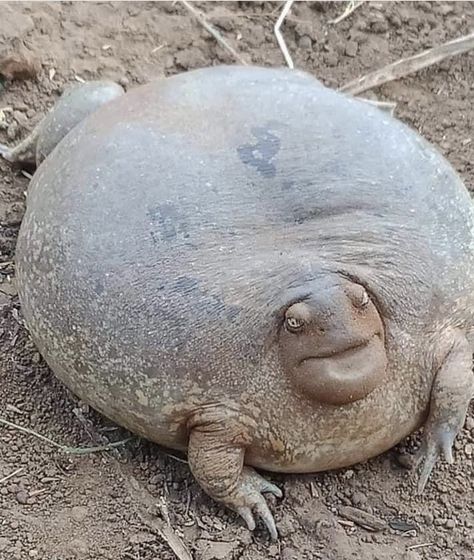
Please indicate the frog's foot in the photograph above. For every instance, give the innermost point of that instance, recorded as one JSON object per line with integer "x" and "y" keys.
{"x": 216, "y": 454}
{"x": 248, "y": 502}
{"x": 436, "y": 443}
{"x": 451, "y": 393}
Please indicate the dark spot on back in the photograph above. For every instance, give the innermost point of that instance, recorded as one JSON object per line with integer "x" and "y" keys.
{"x": 261, "y": 154}
{"x": 169, "y": 225}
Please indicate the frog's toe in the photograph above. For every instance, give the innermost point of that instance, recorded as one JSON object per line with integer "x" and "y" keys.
{"x": 435, "y": 444}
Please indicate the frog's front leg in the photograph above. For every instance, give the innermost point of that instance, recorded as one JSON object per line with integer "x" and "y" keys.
{"x": 216, "y": 454}
{"x": 451, "y": 393}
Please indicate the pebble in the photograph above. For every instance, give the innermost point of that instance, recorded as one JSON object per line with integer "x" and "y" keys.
{"x": 331, "y": 59}
{"x": 22, "y": 497}
{"x": 12, "y": 131}
{"x": 411, "y": 555}
{"x": 469, "y": 423}
{"x": 359, "y": 499}
{"x": 428, "y": 518}
{"x": 286, "y": 527}
{"x": 289, "y": 553}
{"x": 79, "y": 513}
{"x": 20, "y": 118}
{"x": 469, "y": 449}
{"x": 124, "y": 81}
{"x": 305, "y": 42}
{"x": 450, "y": 524}
{"x": 351, "y": 48}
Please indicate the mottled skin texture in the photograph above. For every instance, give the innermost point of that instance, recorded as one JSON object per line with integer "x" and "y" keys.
{"x": 199, "y": 254}
{"x": 76, "y": 103}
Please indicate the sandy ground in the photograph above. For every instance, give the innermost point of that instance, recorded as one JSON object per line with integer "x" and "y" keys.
{"x": 117, "y": 505}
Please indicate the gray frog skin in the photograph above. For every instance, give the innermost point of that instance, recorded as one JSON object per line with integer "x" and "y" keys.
{"x": 76, "y": 103}
{"x": 242, "y": 263}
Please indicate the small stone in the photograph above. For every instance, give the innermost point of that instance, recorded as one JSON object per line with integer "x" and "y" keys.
{"x": 124, "y": 81}
{"x": 289, "y": 553}
{"x": 273, "y": 550}
{"x": 30, "y": 113}
{"x": 214, "y": 550}
{"x": 469, "y": 423}
{"x": 12, "y": 131}
{"x": 33, "y": 553}
{"x": 22, "y": 497}
{"x": 450, "y": 524}
{"x": 359, "y": 499}
{"x": 428, "y": 518}
{"x": 379, "y": 24}
{"x": 286, "y": 527}
{"x": 305, "y": 42}
{"x": 469, "y": 449}
{"x": 331, "y": 59}
{"x": 411, "y": 555}
{"x": 20, "y": 118}
{"x": 405, "y": 460}
{"x": 14, "y": 524}
{"x": 79, "y": 513}
{"x": 351, "y": 48}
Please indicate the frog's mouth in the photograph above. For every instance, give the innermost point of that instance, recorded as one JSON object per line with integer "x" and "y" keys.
{"x": 344, "y": 376}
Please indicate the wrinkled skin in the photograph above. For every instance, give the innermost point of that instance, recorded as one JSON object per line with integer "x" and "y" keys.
{"x": 76, "y": 103}
{"x": 243, "y": 263}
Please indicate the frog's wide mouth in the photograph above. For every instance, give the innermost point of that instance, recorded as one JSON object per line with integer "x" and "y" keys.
{"x": 344, "y": 376}
{"x": 345, "y": 353}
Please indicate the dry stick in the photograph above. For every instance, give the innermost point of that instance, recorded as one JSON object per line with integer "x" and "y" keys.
{"x": 166, "y": 532}
{"x": 64, "y": 448}
{"x": 279, "y": 36}
{"x": 422, "y": 545}
{"x": 217, "y": 36}
{"x": 352, "y": 5}
{"x": 407, "y": 66}
{"x": 11, "y": 475}
{"x": 387, "y": 106}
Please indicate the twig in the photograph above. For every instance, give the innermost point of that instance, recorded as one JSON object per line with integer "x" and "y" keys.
{"x": 167, "y": 534}
{"x": 11, "y": 475}
{"x": 409, "y": 65}
{"x": 176, "y": 458}
{"x": 279, "y": 36}
{"x": 64, "y": 448}
{"x": 422, "y": 545}
{"x": 351, "y": 6}
{"x": 387, "y": 106}
{"x": 161, "y": 527}
{"x": 105, "y": 447}
{"x": 217, "y": 36}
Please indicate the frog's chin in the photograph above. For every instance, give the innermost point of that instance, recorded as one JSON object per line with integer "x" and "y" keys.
{"x": 343, "y": 377}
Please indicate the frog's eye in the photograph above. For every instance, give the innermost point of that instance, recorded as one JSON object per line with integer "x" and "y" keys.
{"x": 359, "y": 296}
{"x": 293, "y": 324}
{"x": 364, "y": 300}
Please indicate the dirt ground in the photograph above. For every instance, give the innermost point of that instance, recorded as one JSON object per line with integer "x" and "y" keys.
{"x": 135, "y": 502}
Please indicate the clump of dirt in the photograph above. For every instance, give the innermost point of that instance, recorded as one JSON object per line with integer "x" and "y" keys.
{"x": 118, "y": 504}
